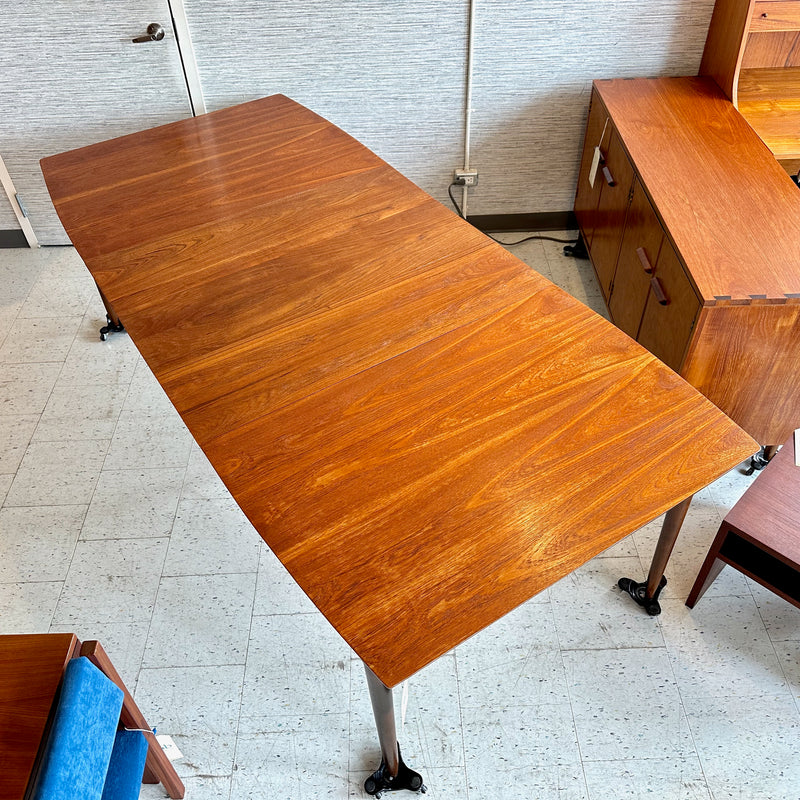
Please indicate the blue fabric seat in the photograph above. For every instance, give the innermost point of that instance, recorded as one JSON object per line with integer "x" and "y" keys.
{"x": 125, "y": 770}
{"x": 83, "y": 737}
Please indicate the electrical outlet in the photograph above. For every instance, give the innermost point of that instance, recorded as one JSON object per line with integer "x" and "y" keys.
{"x": 466, "y": 177}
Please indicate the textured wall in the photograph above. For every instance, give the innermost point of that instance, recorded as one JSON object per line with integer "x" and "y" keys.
{"x": 72, "y": 76}
{"x": 534, "y": 65}
{"x": 393, "y": 75}
{"x": 8, "y": 221}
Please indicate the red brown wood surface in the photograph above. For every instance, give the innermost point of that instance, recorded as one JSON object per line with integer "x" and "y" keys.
{"x": 424, "y": 430}
{"x": 706, "y": 171}
{"x": 31, "y": 666}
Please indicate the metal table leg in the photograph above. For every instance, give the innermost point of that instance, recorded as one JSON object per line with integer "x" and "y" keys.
{"x": 113, "y": 324}
{"x": 392, "y": 774}
{"x": 646, "y": 593}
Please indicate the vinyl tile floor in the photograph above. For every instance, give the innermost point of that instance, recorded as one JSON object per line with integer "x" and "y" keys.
{"x": 114, "y": 526}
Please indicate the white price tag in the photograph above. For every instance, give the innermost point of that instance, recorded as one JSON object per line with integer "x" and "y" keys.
{"x": 595, "y": 165}
{"x": 169, "y": 747}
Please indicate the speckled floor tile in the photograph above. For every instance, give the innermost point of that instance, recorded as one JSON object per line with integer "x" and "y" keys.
{"x": 620, "y": 698}
{"x": 28, "y": 606}
{"x": 591, "y": 612}
{"x": 666, "y": 779}
{"x": 211, "y": 537}
{"x": 295, "y": 664}
{"x": 201, "y": 620}
{"x": 112, "y": 581}
{"x": 133, "y": 504}
{"x": 720, "y": 648}
{"x": 748, "y": 746}
{"x": 199, "y": 708}
{"x": 38, "y": 542}
{"x": 306, "y": 754}
{"x": 57, "y": 473}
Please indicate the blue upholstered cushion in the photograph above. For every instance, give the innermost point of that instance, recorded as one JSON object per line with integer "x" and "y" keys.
{"x": 124, "y": 777}
{"x": 77, "y": 752}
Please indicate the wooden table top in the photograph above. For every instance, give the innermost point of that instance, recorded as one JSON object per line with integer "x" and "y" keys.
{"x": 683, "y": 135}
{"x": 31, "y": 666}
{"x": 424, "y": 430}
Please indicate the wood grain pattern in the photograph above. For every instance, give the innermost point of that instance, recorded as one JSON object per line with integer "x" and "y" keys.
{"x": 775, "y": 15}
{"x": 30, "y": 674}
{"x": 724, "y": 48}
{"x": 377, "y": 383}
{"x": 750, "y": 368}
{"x": 773, "y": 49}
{"x": 769, "y": 511}
{"x": 706, "y": 171}
{"x": 643, "y": 234}
{"x": 769, "y": 100}
{"x": 666, "y": 329}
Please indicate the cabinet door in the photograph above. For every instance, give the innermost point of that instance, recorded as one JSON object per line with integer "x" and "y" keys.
{"x": 638, "y": 255}
{"x": 670, "y": 311}
{"x": 616, "y": 177}
{"x": 587, "y": 196}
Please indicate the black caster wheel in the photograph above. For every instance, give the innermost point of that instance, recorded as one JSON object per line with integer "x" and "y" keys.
{"x": 638, "y": 592}
{"x": 110, "y": 327}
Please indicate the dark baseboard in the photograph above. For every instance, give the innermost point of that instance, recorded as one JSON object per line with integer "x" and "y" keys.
{"x": 13, "y": 239}
{"x": 545, "y": 221}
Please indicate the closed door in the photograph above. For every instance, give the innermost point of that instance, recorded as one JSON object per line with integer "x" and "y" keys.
{"x": 638, "y": 254}
{"x": 78, "y": 79}
{"x": 670, "y": 311}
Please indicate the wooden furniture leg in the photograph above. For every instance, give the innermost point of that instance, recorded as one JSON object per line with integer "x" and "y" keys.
{"x": 711, "y": 568}
{"x": 392, "y": 774}
{"x": 646, "y": 593}
{"x": 158, "y": 768}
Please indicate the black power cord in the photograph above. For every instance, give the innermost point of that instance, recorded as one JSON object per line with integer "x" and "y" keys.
{"x": 505, "y": 244}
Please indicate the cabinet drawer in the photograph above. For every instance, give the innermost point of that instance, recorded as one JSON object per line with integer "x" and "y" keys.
{"x": 780, "y": 15}
{"x": 670, "y": 311}
{"x": 638, "y": 255}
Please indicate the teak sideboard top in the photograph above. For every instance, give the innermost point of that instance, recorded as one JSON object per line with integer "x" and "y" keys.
{"x": 731, "y": 210}
{"x": 424, "y": 430}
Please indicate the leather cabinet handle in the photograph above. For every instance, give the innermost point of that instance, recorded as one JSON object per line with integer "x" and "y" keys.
{"x": 646, "y": 265}
{"x": 608, "y": 176}
{"x": 658, "y": 291}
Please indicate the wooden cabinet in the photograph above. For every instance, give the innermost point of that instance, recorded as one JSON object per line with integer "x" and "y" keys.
{"x": 753, "y": 53}
{"x": 693, "y": 230}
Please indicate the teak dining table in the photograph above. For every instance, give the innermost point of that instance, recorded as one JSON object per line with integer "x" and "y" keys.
{"x": 425, "y": 431}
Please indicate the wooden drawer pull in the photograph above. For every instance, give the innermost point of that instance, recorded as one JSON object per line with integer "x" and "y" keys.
{"x": 608, "y": 176}
{"x": 646, "y": 265}
{"x": 658, "y": 291}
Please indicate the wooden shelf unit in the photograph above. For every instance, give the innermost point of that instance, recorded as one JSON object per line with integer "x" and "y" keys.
{"x": 694, "y": 233}
{"x": 753, "y": 53}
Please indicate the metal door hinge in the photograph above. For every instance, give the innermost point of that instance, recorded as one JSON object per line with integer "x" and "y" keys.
{"x": 21, "y": 204}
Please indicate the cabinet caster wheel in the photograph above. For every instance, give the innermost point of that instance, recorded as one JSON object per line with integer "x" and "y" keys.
{"x": 110, "y": 327}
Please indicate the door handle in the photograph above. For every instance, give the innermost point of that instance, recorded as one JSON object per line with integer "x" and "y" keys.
{"x": 155, "y": 33}
{"x": 658, "y": 291}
